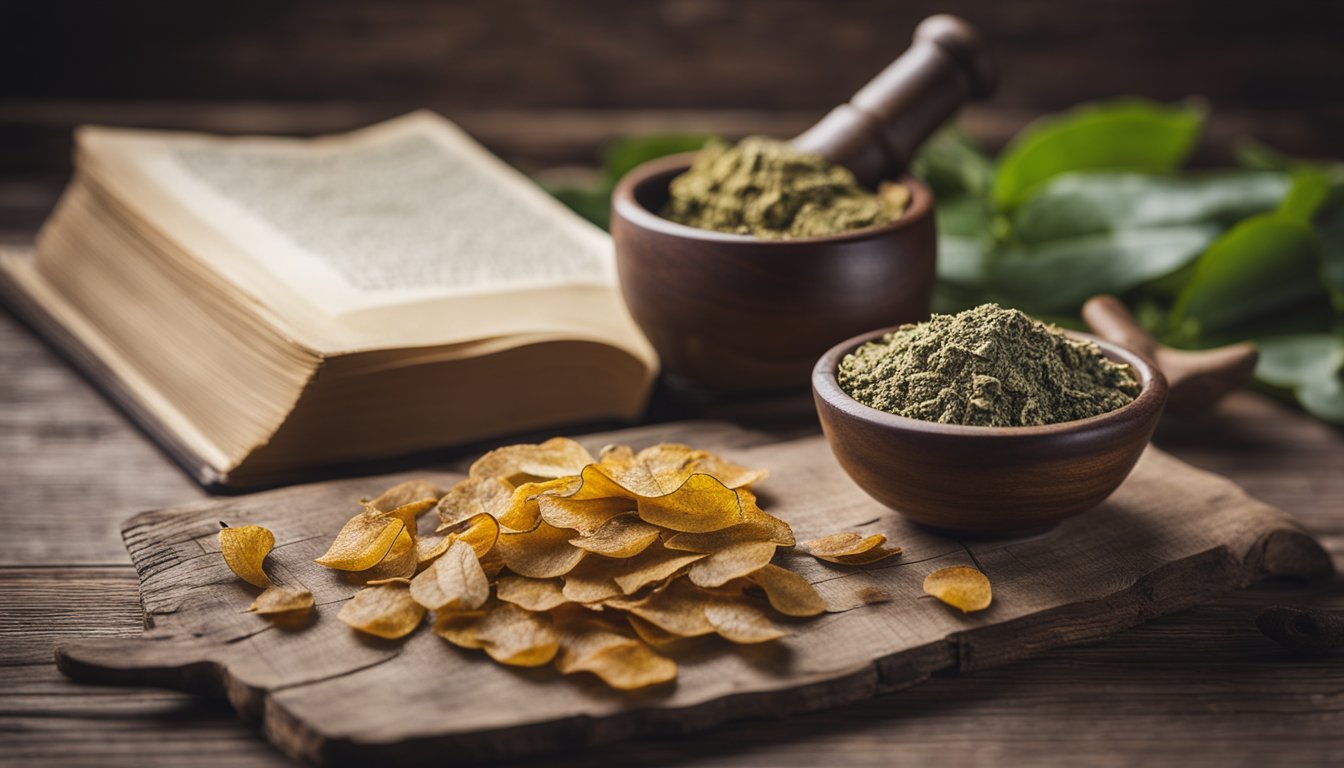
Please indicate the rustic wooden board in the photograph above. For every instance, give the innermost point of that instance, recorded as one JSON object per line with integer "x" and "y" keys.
{"x": 1170, "y": 537}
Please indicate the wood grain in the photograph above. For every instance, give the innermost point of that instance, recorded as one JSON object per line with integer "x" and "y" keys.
{"x": 1169, "y": 538}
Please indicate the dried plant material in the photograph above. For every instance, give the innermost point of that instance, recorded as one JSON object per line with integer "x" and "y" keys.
{"x": 732, "y": 562}
{"x": 622, "y": 662}
{"x": 849, "y": 548}
{"x": 621, "y": 536}
{"x": 699, "y": 505}
{"x": 454, "y": 582}
{"x": 524, "y": 509}
{"x": 651, "y": 566}
{"x": 407, "y": 513}
{"x": 788, "y": 593}
{"x": 678, "y": 609}
{"x": 386, "y": 610}
{"x": 400, "y": 561}
{"x": 402, "y": 494}
{"x": 670, "y": 464}
{"x": 961, "y": 587}
{"x": 277, "y": 599}
{"x": 741, "y": 622}
{"x": 651, "y": 633}
{"x": 586, "y": 516}
{"x": 363, "y": 542}
{"x": 481, "y": 532}
{"x": 898, "y": 195}
{"x": 594, "y": 580}
{"x": 517, "y": 464}
{"x": 541, "y": 553}
{"x": 532, "y": 594}
{"x": 459, "y": 627}
{"x": 517, "y": 637}
{"x": 245, "y": 549}
{"x": 389, "y": 580}
{"x": 471, "y": 497}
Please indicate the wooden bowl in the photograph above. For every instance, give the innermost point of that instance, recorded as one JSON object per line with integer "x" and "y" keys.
{"x": 987, "y": 481}
{"x": 733, "y": 313}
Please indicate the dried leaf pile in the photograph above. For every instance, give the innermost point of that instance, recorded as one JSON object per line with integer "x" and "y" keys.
{"x": 544, "y": 554}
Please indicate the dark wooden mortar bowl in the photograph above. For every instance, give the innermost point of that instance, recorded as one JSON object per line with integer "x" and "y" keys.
{"x": 733, "y": 313}
{"x": 987, "y": 481}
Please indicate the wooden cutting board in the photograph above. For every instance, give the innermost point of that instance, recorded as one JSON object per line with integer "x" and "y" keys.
{"x": 1169, "y": 538}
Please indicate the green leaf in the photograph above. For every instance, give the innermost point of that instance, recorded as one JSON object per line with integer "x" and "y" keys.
{"x": 953, "y": 166}
{"x": 1264, "y": 265}
{"x": 622, "y": 155}
{"x": 592, "y": 203}
{"x": 1131, "y": 135}
{"x": 1312, "y": 365}
{"x": 1309, "y": 191}
{"x": 1076, "y": 204}
{"x": 1058, "y": 276}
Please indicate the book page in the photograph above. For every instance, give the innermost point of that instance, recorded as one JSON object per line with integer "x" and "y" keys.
{"x": 403, "y": 212}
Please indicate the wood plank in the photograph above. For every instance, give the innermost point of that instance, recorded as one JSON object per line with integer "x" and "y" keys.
{"x": 1171, "y": 537}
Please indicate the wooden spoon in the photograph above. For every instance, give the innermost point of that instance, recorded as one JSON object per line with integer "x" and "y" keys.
{"x": 1197, "y": 379}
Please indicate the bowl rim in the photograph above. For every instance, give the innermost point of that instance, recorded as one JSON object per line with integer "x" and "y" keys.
{"x": 1150, "y": 400}
{"x": 625, "y": 205}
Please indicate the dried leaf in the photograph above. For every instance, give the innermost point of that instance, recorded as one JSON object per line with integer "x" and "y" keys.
{"x": 586, "y": 516}
{"x": 363, "y": 542}
{"x": 594, "y": 580}
{"x": 650, "y": 566}
{"x": 679, "y": 609}
{"x": 699, "y": 505}
{"x": 524, "y": 508}
{"x": 405, "y": 493}
{"x": 400, "y": 561}
{"x": 471, "y": 497}
{"x": 277, "y": 599}
{"x": 741, "y": 622}
{"x": 849, "y": 548}
{"x": 407, "y": 513}
{"x": 459, "y": 627}
{"x": 541, "y": 553}
{"x": 245, "y": 549}
{"x": 454, "y": 582}
{"x": 386, "y": 610}
{"x": 621, "y": 536}
{"x": 960, "y": 587}
{"x": 517, "y": 464}
{"x": 622, "y": 662}
{"x": 517, "y": 637}
{"x": 732, "y": 562}
{"x": 481, "y": 532}
{"x": 788, "y": 593}
{"x": 532, "y": 594}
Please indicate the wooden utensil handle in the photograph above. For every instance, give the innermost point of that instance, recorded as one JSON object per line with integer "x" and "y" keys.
{"x": 1110, "y": 319}
{"x": 878, "y": 131}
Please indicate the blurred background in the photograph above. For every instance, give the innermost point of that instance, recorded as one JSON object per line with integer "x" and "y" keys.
{"x": 547, "y": 83}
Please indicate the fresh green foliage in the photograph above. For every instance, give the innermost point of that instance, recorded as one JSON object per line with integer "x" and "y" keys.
{"x": 620, "y": 156}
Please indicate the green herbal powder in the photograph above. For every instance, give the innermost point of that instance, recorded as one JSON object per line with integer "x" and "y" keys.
{"x": 987, "y": 366}
{"x": 765, "y": 187}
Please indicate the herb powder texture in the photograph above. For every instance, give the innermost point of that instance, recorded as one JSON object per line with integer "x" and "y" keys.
{"x": 987, "y": 366}
{"x": 764, "y": 187}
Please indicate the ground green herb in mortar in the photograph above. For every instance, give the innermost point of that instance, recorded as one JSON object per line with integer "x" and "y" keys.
{"x": 764, "y": 187}
{"x": 986, "y": 366}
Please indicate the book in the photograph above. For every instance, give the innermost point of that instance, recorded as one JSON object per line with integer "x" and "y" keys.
{"x": 269, "y": 306}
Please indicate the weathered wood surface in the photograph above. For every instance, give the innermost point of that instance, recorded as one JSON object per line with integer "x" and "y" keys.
{"x": 1202, "y": 687}
{"x": 1171, "y": 537}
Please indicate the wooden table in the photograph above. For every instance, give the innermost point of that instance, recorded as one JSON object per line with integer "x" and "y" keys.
{"x": 1199, "y": 688}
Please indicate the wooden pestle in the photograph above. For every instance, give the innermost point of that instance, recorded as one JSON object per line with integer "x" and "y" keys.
{"x": 876, "y": 134}
{"x": 1196, "y": 378}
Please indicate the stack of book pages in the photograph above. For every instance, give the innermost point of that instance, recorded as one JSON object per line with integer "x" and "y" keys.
{"x": 266, "y": 306}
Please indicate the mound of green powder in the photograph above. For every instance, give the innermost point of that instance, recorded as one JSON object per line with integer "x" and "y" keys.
{"x": 987, "y": 366}
{"x": 764, "y": 187}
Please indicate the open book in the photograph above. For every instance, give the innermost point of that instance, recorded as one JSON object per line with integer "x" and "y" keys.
{"x": 268, "y": 305}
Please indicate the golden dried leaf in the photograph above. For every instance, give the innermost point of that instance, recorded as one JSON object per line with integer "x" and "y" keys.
{"x": 278, "y": 599}
{"x": 621, "y": 536}
{"x": 788, "y": 593}
{"x": 741, "y": 622}
{"x": 471, "y": 497}
{"x": 679, "y": 609}
{"x": 517, "y": 464}
{"x": 715, "y": 541}
{"x": 405, "y": 493}
{"x": 960, "y": 587}
{"x": 532, "y": 594}
{"x": 407, "y": 513}
{"x": 245, "y": 549}
{"x": 849, "y": 548}
{"x": 459, "y": 627}
{"x": 363, "y": 542}
{"x": 389, "y": 580}
{"x": 621, "y": 662}
{"x": 400, "y": 561}
{"x": 454, "y": 582}
{"x": 386, "y": 610}
{"x": 732, "y": 562}
{"x": 481, "y": 532}
{"x": 650, "y": 566}
{"x": 652, "y": 633}
{"x": 677, "y": 462}
{"x": 517, "y": 637}
{"x": 586, "y": 516}
{"x": 594, "y": 580}
{"x": 524, "y": 509}
{"x": 699, "y": 505}
{"x": 541, "y": 553}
